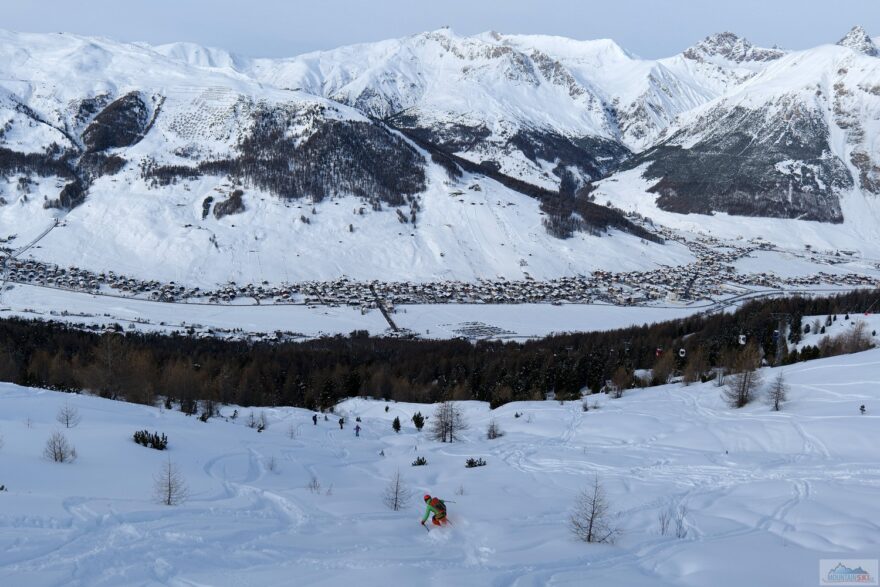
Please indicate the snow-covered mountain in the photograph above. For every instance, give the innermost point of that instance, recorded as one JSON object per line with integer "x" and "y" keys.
{"x": 798, "y": 140}
{"x": 544, "y": 109}
{"x": 434, "y": 156}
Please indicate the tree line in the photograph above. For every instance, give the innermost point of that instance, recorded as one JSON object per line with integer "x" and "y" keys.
{"x": 316, "y": 374}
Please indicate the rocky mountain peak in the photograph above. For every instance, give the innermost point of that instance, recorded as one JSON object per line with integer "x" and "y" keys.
{"x": 857, "y": 39}
{"x": 731, "y": 47}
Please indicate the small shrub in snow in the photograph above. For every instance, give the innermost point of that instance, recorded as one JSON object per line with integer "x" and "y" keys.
{"x": 679, "y": 519}
{"x": 293, "y": 431}
{"x": 314, "y": 485}
{"x": 663, "y": 519}
{"x": 460, "y": 490}
{"x": 420, "y": 461}
{"x": 272, "y": 464}
{"x": 259, "y": 422}
{"x": 418, "y": 420}
{"x": 68, "y": 416}
{"x": 154, "y": 440}
{"x": 58, "y": 449}
{"x": 472, "y": 462}
{"x": 493, "y": 431}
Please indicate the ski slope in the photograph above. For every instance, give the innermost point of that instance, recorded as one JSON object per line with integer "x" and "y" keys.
{"x": 768, "y": 494}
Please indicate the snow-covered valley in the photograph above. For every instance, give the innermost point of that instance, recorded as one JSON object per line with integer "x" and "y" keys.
{"x": 189, "y": 164}
{"x": 767, "y": 494}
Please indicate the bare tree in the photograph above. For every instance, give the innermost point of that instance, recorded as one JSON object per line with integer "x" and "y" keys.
{"x": 740, "y": 386}
{"x": 68, "y": 415}
{"x": 448, "y": 422}
{"x": 663, "y": 368}
{"x": 58, "y": 449}
{"x": 857, "y": 339}
{"x": 494, "y": 431}
{"x": 778, "y": 392}
{"x": 590, "y": 520}
{"x": 621, "y": 380}
{"x": 169, "y": 486}
{"x": 397, "y": 494}
{"x": 695, "y": 367}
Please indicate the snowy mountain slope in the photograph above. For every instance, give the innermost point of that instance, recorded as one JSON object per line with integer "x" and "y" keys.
{"x": 223, "y": 178}
{"x": 795, "y": 141}
{"x": 779, "y": 490}
{"x": 476, "y": 96}
{"x": 460, "y": 234}
{"x": 533, "y": 105}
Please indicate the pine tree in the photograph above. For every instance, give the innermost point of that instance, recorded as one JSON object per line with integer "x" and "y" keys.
{"x": 396, "y": 424}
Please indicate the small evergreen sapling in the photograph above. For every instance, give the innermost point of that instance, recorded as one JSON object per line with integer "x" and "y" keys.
{"x": 144, "y": 438}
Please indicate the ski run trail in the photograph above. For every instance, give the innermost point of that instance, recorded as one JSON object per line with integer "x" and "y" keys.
{"x": 767, "y": 494}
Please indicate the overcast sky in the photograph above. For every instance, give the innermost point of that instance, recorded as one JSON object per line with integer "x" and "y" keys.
{"x": 275, "y": 28}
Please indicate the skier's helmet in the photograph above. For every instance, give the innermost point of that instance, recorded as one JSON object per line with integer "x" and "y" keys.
{"x": 427, "y": 497}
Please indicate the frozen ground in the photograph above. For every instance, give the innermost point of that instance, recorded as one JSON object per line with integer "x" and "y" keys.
{"x": 768, "y": 494}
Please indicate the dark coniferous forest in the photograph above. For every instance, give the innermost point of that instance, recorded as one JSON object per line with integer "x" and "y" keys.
{"x": 316, "y": 374}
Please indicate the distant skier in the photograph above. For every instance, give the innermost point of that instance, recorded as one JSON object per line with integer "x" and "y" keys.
{"x": 341, "y": 423}
{"x": 435, "y": 505}
{"x": 315, "y": 419}
{"x": 357, "y": 430}
{"x": 862, "y": 409}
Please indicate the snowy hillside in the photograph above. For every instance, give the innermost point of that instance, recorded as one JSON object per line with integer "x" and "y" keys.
{"x": 766, "y": 494}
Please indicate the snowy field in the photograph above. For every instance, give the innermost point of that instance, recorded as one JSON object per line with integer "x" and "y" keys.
{"x": 767, "y": 494}
{"x": 427, "y": 321}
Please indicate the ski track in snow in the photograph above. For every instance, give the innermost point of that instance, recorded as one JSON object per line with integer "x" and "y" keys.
{"x": 778, "y": 488}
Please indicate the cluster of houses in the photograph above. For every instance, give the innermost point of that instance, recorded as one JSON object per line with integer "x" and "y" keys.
{"x": 705, "y": 278}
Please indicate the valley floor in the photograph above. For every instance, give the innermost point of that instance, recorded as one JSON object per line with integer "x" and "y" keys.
{"x": 767, "y": 494}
